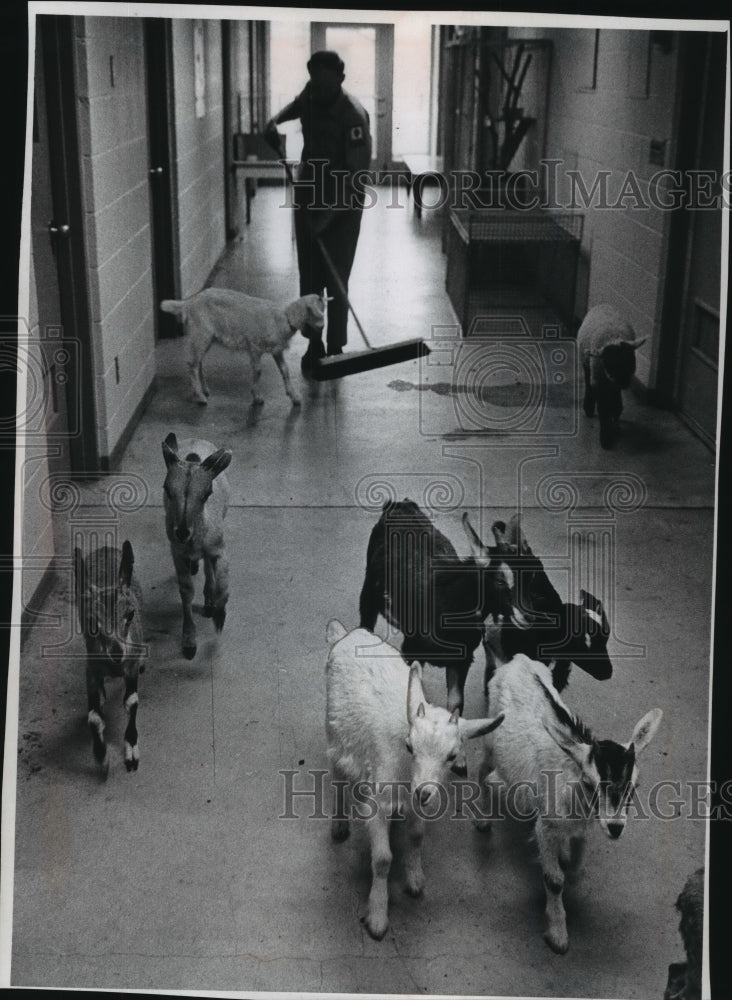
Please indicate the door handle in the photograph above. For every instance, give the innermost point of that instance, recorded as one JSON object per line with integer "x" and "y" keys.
{"x": 63, "y": 230}
{"x": 155, "y": 171}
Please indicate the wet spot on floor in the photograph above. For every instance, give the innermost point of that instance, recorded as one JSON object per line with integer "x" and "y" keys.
{"x": 514, "y": 395}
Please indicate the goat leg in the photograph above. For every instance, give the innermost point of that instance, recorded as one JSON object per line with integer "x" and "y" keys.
{"x": 413, "y": 836}
{"x": 377, "y": 919}
{"x": 132, "y": 750}
{"x": 550, "y": 840}
{"x": 195, "y": 375}
{"x": 220, "y": 568}
{"x": 94, "y": 693}
{"x": 284, "y": 372}
{"x": 606, "y": 411}
{"x": 185, "y": 587}
{"x": 589, "y": 401}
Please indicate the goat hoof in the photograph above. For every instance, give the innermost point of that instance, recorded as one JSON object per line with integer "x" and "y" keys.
{"x": 483, "y": 825}
{"x": 376, "y": 926}
{"x": 202, "y": 402}
{"x": 193, "y": 567}
{"x": 219, "y": 617}
{"x": 414, "y": 884}
{"x": 560, "y": 945}
{"x": 189, "y": 651}
{"x": 296, "y": 401}
{"x": 257, "y": 401}
{"x": 208, "y": 610}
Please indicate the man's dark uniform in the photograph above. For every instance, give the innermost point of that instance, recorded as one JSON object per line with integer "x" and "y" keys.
{"x": 338, "y": 134}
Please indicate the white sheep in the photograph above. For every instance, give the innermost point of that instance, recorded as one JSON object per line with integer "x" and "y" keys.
{"x": 607, "y": 346}
{"x": 382, "y": 731}
{"x": 554, "y": 770}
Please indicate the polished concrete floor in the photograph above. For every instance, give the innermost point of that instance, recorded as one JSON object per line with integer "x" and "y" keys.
{"x": 184, "y": 876}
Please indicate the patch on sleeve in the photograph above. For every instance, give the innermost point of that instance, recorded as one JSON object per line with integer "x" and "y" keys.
{"x": 357, "y": 135}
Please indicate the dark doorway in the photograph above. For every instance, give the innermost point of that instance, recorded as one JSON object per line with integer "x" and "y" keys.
{"x": 689, "y": 369}
{"x": 58, "y": 252}
{"x": 158, "y": 62}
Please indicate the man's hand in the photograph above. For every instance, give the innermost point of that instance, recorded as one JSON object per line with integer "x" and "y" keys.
{"x": 272, "y": 136}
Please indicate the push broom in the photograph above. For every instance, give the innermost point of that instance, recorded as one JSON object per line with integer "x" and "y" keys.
{"x": 357, "y": 361}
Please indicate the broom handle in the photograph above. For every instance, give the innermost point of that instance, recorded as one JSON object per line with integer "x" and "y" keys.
{"x": 329, "y": 263}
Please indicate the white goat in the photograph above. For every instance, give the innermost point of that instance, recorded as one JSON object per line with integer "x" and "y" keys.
{"x": 381, "y": 730}
{"x": 552, "y": 765}
{"x": 242, "y": 322}
{"x": 196, "y": 498}
{"x": 607, "y": 346}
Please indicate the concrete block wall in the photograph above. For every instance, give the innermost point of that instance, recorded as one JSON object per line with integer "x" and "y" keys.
{"x": 609, "y": 126}
{"x": 200, "y": 155}
{"x": 111, "y": 92}
{"x": 39, "y": 544}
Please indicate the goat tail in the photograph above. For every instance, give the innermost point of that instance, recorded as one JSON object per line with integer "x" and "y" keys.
{"x": 334, "y": 631}
{"x": 176, "y": 306}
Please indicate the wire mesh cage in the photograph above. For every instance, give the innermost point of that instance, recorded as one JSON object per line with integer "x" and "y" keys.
{"x": 513, "y": 260}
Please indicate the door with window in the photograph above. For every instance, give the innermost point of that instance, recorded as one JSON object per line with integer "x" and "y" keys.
{"x": 368, "y": 53}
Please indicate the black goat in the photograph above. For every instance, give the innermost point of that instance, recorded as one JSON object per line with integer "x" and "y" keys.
{"x": 418, "y": 583}
{"x": 551, "y": 631}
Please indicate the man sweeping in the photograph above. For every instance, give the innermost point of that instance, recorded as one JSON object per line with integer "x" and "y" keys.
{"x": 328, "y": 205}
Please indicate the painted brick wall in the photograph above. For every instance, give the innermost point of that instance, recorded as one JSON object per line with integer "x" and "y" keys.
{"x": 609, "y": 126}
{"x": 114, "y": 146}
{"x": 200, "y": 155}
{"x": 38, "y": 539}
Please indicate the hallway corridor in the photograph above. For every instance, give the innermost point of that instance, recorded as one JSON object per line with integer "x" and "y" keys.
{"x": 183, "y": 875}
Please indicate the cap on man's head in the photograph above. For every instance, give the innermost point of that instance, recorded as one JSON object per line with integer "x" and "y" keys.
{"x": 326, "y": 60}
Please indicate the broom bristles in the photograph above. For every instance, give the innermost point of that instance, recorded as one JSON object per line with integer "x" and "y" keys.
{"x": 361, "y": 361}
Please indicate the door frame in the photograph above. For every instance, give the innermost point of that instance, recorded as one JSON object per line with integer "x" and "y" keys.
{"x": 58, "y": 34}
{"x": 384, "y": 74}
{"x": 691, "y": 93}
{"x": 158, "y": 42}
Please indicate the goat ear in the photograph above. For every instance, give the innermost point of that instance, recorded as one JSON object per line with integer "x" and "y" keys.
{"x": 126, "y": 565}
{"x": 591, "y": 603}
{"x": 470, "y": 728}
{"x": 481, "y": 552}
{"x": 516, "y": 536}
{"x": 415, "y": 693}
{"x": 170, "y": 449}
{"x": 638, "y": 343}
{"x": 217, "y": 462}
{"x": 645, "y": 730}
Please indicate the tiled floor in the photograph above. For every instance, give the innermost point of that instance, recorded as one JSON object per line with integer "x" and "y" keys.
{"x": 183, "y": 875}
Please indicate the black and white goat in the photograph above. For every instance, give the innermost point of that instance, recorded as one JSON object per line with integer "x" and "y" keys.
{"x": 196, "y": 498}
{"x": 109, "y": 604}
{"x": 439, "y": 601}
{"x": 607, "y": 346}
{"x": 546, "y": 629}
{"x": 558, "y": 772}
